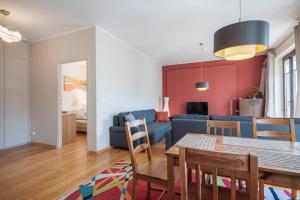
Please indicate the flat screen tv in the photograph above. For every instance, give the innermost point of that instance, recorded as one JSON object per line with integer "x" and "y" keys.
{"x": 200, "y": 108}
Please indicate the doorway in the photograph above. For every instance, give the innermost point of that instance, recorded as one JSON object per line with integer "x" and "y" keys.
{"x": 73, "y": 108}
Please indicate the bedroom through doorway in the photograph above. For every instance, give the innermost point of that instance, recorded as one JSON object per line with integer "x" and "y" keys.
{"x": 73, "y": 112}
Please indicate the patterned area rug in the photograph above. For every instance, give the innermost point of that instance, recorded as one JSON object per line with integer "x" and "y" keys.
{"x": 114, "y": 183}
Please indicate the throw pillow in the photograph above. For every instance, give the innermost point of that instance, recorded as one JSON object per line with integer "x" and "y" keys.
{"x": 129, "y": 118}
{"x": 162, "y": 117}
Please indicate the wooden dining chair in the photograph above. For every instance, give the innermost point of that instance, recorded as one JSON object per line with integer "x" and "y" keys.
{"x": 268, "y": 178}
{"x": 153, "y": 171}
{"x": 232, "y": 165}
{"x": 223, "y": 125}
{"x": 274, "y": 134}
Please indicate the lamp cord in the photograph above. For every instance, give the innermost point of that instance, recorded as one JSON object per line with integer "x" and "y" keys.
{"x": 201, "y": 72}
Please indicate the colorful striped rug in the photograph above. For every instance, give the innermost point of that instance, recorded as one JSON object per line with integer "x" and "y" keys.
{"x": 114, "y": 183}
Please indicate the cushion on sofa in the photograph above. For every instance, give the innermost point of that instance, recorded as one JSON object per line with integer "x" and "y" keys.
{"x": 220, "y": 118}
{"x": 241, "y": 118}
{"x": 162, "y": 117}
{"x": 116, "y": 120}
{"x": 297, "y": 120}
{"x": 130, "y": 118}
{"x": 191, "y": 116}
{"x": 149, "y": 115}
{"x": 122, "y": 118}
{"x": 182, "y": 126}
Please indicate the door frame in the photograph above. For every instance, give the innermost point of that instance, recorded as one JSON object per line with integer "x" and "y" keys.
{"x": 59, "y": 101}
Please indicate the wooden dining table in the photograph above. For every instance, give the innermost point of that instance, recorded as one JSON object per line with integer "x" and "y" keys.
{"x": 274, "y": 157}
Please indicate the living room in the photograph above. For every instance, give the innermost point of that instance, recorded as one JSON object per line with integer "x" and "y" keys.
{"x": 163, "y": 71}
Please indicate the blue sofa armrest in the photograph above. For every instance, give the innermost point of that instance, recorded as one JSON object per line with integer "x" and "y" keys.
{"x": 117, "y": 137}
{"x": 168, "y": 140}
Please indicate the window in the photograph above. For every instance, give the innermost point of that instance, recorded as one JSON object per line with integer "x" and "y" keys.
{"x": 290, "y": 84}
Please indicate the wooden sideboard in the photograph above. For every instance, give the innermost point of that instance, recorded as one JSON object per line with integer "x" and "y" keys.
{"x": 251, "y": 107}
{"x": 68, "y": 128}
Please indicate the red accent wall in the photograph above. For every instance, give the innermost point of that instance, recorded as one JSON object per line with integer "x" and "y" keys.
{"x": 228, "y": 80}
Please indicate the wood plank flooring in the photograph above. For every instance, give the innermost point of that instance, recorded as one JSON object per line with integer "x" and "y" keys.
{"x": 40, "y": 172}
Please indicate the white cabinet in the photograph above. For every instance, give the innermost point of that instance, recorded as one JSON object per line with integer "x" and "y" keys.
{"x": 14, "y": 94}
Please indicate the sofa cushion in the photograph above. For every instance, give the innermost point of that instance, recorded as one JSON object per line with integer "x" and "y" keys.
{"x": 148, "y": 115}
{"x": 122, "y": 118}
{"x": 116, "y": 120}
{"x": 162, "y": 117}
{"x": 130, "y": 118}
{"x": 297, "y": 120}
{"x": 157, "y": 131}
{"x": 182, "y": 126}
{"x": 220, "y": 118}
{"x": 242, "y": 118}
{"x": 191, "y": 116}
{"x": 180, "y": 117}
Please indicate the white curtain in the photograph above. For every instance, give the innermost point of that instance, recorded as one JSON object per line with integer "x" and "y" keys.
{"x": 269, "y": 85}
{"x": 297, "y": 45}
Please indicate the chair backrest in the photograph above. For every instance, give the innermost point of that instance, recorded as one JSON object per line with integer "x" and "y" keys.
{"x": 274, "y": 134}
{"x": 233, "y": 165}
{"x": 216, "y": 124}
{"x": 142, "y": 136}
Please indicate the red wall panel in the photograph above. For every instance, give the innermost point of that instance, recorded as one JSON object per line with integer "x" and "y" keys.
{"x": 227, "y": 80}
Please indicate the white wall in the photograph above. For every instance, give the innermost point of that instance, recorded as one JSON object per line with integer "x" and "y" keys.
{"x": 46, "y": 56}
{"x": 126, "y": 80}
{"x": 119, "y": 76}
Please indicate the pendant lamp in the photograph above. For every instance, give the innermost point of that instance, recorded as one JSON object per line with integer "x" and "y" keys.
{"x": 241, "y": 40}
{"x": 202, "y": 85}
{"x": 7, "y": 35}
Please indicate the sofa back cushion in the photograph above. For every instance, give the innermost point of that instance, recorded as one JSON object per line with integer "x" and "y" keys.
{"x": 191, "y": 116}
{"x": 242, "y": 118}
{"x": 116, "y": 120}
{"x": 182, "y": 126}
{"x": 149, "y": 116}
{"x": 220, "y": 118}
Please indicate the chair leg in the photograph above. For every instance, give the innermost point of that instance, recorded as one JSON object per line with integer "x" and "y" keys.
{"x": 261, "y": 190}
{"x": 148, "y": 190}
{"x": 190, "y": 175}
{"x": 134, "y": 187}
{"x": 294, "y": 194}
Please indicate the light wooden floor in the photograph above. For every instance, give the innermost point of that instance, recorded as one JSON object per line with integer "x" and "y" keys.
{"x": 40, "y": 172}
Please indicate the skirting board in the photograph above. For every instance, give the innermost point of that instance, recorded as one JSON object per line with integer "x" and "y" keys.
{"x": 101, "y": 151}
{"x": 45, "y": 145}
{"x": 14, "y": 146}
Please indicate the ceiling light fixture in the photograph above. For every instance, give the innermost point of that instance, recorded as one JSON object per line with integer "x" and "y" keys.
{"x": 202, "y": 85}
{"x": 7, "y": 35}
{"x": 241, "y": 40}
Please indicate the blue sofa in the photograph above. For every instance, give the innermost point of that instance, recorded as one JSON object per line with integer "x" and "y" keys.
{"x": 156, "y": 130}
{"x": 182, "y": 124}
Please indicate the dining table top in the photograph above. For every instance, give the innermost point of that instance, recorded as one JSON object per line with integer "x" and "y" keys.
{"x": 274, "y": 156}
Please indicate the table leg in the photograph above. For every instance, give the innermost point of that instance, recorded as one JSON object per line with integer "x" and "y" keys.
{"x": 171, "y": 178}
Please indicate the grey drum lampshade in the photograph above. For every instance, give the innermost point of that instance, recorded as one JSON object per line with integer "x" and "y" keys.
{"x": 241, "y": 40}
{"x": 201, "y": 86}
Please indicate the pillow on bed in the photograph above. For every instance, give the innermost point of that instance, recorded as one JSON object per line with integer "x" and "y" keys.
{"x": 81, "y": 114}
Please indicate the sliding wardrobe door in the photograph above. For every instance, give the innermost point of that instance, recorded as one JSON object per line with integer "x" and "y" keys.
{"x": 16, "y": 94}
{"x": 1, "y": 95}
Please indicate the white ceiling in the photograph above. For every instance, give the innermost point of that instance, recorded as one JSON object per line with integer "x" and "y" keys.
{"x": 167, "y": 30}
